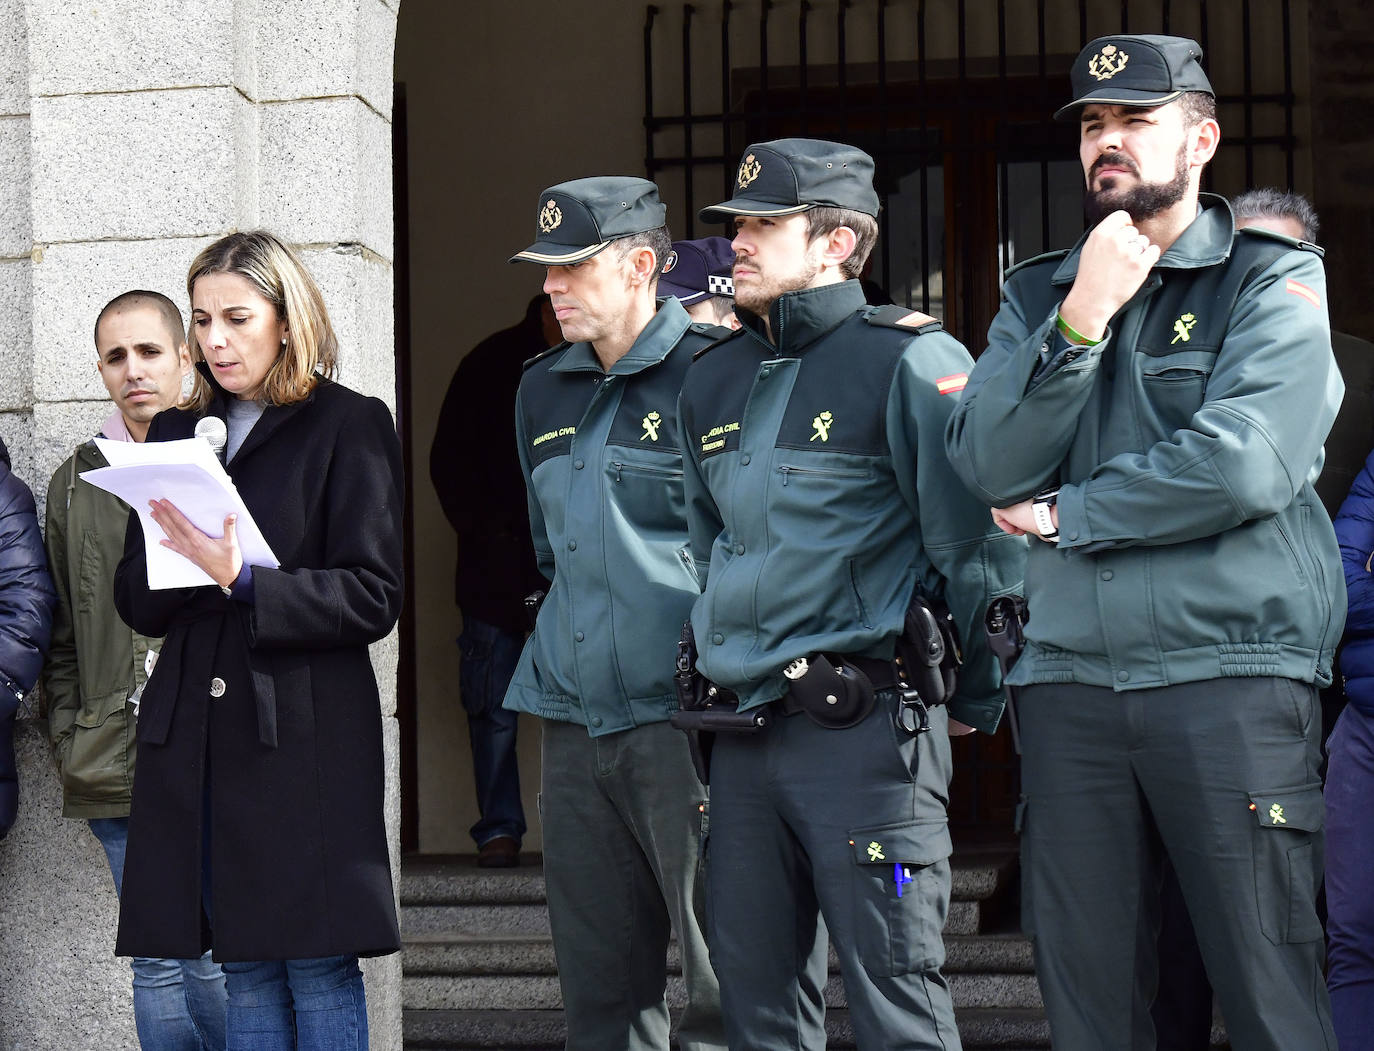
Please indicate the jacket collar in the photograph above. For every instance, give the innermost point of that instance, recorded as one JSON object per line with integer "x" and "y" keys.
{"x": 800, "y": 318}
{"x": 1206, "y": 242}
{"x": 273, "y": 416}
{"x": 650, "y": 347}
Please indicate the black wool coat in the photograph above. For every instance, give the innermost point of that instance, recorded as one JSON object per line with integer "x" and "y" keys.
{"x": 265, "y": 802}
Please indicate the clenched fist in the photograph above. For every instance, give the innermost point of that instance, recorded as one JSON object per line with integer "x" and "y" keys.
{"x": 1115, "y": 260}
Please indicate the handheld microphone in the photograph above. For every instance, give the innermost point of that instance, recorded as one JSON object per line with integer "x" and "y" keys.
{"x": 212, "y": 429}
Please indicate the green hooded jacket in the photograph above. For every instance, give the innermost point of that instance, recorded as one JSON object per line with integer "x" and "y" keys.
{"x": 96, "y": 661}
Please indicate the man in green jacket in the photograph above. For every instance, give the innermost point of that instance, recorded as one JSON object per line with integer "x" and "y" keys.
{"x": 819, "y": 499}
{"x": 98, "y": 665}
{"x": 1150, "y": 410}
{"x": 622, "y": 810}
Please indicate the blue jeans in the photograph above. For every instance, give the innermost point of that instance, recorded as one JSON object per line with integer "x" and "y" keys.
{"x": 489, "y": 659}
{"x": 297, "y": 1005}
{"x": 1349, "y": 861}
{"x": 178, "y": 1004}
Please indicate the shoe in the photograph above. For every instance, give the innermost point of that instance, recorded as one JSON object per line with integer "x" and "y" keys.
{"x": 503, "y": 852}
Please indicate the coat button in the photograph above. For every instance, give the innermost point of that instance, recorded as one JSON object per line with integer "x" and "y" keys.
{"x": 744, "y": 460}
{"x": 739, "y": 549}
{"x": 1123, "y": 676}
{"x": 578, "y": 465}
{"x": 718, "y": 639}
{"x": 578, "y": 636}
{"x": 1107, "y": 574}
{"x": 596, "y": 720}
{"x": 216, "y": 687}
{"x": 572, "y": 545}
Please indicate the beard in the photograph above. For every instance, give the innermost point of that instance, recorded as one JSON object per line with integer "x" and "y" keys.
{"x": 758, "y": 294}
{"x": 1143, "y": 201}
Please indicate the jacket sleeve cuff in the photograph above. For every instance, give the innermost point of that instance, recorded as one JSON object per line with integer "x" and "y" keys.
{"x": 1056, "y": 351}
{"x": 1074, "y": 529}
{"x": 241, "y": 590}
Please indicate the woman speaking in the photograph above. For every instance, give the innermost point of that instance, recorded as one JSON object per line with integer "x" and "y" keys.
{"x": 257, "y": 828}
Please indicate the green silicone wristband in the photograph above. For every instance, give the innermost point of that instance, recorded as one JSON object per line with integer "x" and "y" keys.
{"x": 1072, "y": 334}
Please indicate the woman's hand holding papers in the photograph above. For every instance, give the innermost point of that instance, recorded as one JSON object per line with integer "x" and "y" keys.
{"x": 219, "y": 557}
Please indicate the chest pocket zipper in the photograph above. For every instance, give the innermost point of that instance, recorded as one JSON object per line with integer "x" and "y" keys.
{"x": 786, "y": 470}
{"x": 666, "y": 472}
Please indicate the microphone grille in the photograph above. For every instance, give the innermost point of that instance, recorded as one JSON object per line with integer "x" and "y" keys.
{"x": 212, "y": 429}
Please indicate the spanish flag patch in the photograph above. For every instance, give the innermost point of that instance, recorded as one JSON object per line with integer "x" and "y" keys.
{"x": 1299, "y": 289}
{"x": 952, "y": 384}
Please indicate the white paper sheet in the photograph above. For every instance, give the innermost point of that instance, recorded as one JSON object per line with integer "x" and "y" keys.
{"x": 187, "y": 473}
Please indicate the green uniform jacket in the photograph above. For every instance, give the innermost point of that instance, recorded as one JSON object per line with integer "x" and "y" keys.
{"x": 1192, "y": 545}
{"x": 818, "y": 494}
{"x": 603, "y": 474}
{"x": 96, "y": 661}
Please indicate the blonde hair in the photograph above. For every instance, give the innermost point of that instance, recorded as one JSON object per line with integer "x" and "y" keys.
{"x": 279, "y": 276}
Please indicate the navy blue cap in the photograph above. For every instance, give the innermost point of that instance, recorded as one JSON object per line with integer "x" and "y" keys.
{"x": 578, "y": 219}
{"x": 1135, "y": 71}
{"x": 698, "y": 269}
{"x": 788, "y": 176}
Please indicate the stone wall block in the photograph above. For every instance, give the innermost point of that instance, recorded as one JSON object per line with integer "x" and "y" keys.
{"x": 64, "y": 987}
{"x": 325, "y": 173}
{"x": 325, "y": 48}
{"x": 16, "y": 431}
{"x": 128, "y": 45}
{"x": 58, "y": 428}
{"x": 142, "y": 165}
{"x": 14, "y": 63}
{"x": 357, "y": 289}
{"x": 16, "y": 227}
{"x": 72, "y": 282}
{"x": 16, "y": 334}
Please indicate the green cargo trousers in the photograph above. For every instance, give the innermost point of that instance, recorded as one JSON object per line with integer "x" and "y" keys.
{"x": 1222, "y": 775}
{"x": 622, "y": 817}
{"x": 850, "y": 823}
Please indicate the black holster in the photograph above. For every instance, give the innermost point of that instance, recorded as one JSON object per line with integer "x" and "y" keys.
{"x": 705, "y": 709}
{"x": 1005, "y": 625}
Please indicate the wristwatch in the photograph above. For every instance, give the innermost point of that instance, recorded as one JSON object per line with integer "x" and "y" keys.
{"x": 1041, "y": 506}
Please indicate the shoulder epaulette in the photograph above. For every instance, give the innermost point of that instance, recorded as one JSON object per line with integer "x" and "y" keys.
{"x": 904, "y": 318}
{"x": 729, "y": 335}
{"x": 1035, "y": 260}
{"x": 711, "y": 332}
{"x": 544, "y": 354}
{"x": 1284, "y": 239}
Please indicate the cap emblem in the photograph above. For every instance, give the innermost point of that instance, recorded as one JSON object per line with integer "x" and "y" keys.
{"x": 550, "y": 217}
{"x": 1108, "y": 62}
{"x": 748, "y": 171}
{"x": 670, "y": 262}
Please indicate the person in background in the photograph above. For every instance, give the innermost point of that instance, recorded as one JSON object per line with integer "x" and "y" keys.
{"x": 97, "y": 667}
{"x": 1350, "y": 784}
{"x": 697, "y": 273}
{"x": 26, "y": 611}
{"x": 1352, "y": 435}
{"x": 257, "y": 826}
{"x": 476, "y": 474}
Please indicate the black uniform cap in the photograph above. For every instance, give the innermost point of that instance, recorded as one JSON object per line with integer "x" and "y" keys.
{"x": 577, "y": 219}
{"x": 788, "y": 176}
{"x": 1135, "y": 71}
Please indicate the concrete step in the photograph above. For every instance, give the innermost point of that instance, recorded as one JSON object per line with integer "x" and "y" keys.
{"x": 540, "y": 992}
{"x": 431, "y": 922}
{"x": 449, "y": 895}
{"x": 979, "y": 1029}
{"x": 480, "y": 955}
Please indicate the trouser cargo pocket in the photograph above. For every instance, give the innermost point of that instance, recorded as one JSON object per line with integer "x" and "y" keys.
{"x": 1287, "y": 845}
{"x": 901, "y": 896}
